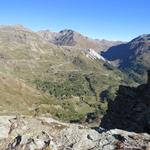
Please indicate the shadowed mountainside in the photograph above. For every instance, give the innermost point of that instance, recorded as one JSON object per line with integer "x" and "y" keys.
{"x": 133, "y": 57}
{"x": 130, "y": 110}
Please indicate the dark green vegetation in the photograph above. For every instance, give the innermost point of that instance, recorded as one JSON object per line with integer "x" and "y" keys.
{"x": 75, "y": 85}
{"x": 80, "y": 93}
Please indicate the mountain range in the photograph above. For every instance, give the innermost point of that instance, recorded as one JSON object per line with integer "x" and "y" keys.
{"x": 133, "y": 57}
{"x": 72, "y": 38}
{"x": 63, "y": 81}
{"x": 62, "y": 74}
{"x": 92, "y": 85}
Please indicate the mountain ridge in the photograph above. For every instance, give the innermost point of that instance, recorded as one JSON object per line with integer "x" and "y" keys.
{"x": 133, "y": 57}
{"x": 69, "y": 37}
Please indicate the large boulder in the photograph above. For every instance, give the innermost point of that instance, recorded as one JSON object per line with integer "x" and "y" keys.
{"x": 130, "y": 110}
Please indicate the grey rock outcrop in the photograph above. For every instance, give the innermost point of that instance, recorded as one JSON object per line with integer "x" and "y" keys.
{"x": 130, "y": 110}
{"x": 65, "y": 37}
{"x": 48, "y": 134}
{"x": 148, "y": 80}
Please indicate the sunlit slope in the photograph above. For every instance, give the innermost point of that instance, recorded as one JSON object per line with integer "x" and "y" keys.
{"x": 69, "y": 80}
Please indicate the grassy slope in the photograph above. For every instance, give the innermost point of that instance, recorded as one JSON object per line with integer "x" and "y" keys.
{"x": 16, "y": 96}
{"x": 26, "y": 56}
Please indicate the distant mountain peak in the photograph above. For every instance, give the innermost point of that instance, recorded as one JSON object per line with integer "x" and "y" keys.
{"x": 13, "y": 26}
{"x": 69, "y": 37}
{"x": 65, "y": 37}
{"x": 133, "y": 56}
{"x": 142, "y": 38}
{"x": 67, "y": 31}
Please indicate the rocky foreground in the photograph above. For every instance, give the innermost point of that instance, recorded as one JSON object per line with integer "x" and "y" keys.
{"x": 28, "y": 133}
{"x": 130, "y": 111}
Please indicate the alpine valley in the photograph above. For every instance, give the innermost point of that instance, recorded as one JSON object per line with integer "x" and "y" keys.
{"x": 84, "y": 84}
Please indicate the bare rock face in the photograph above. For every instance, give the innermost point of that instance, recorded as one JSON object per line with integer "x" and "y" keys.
{"x": 48, "y": 134}
{"x": 148, "y": 80}
{"x": 65, "y": 37}
{"x": 130, "y": 110}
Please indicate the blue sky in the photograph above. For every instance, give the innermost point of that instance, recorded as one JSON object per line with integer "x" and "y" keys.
{"x": 108, "y": 19}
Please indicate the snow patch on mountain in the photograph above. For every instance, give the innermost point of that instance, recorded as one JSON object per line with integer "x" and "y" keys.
{"x": 93, "y": 54}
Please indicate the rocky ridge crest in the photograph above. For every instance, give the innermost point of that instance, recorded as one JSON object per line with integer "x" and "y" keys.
{"x": 130, "y": 110}
{"x": 28, "y": 133}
